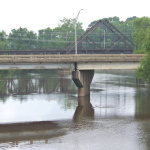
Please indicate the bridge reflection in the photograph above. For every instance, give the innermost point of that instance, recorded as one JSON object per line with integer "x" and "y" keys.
{"x": 84, "y": 109}
{"x": 24, "y": 86}
{"x": 30, "y": 132}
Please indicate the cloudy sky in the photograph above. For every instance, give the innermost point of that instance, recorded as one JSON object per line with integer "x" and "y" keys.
{"x": 40, "y": 14}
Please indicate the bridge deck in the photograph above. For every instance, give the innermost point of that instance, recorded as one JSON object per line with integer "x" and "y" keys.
{"x": 72, "y": 62}
{"x": 71, "y": 58}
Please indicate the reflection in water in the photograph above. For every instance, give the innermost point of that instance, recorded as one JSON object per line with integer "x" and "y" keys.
{"x": 84, "y": 108}
{"x": 32, "y": 84}
{"x": 43, "y": 130}
{"x": 64, "y": 85}
{"x": 29, "y": 131}
{"x": 142, "y": 104}
{"x": 64, "y": 88}
{"x": 29, "y": 86}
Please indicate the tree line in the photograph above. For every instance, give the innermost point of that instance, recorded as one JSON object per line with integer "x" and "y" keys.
{"x": 61, "y": 36}
{"x": 46, "y": 39}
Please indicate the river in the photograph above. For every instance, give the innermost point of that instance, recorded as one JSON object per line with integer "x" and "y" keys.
{"x": 40, "y": 110}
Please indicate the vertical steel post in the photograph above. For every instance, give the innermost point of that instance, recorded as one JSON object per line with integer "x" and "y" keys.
{"x": 75, "y": 26}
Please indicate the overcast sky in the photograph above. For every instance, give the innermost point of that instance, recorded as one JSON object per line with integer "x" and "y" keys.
{"x": 40, "y": 14}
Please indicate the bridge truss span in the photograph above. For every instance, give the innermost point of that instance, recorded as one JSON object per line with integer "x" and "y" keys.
{"x": 110, "y": 40}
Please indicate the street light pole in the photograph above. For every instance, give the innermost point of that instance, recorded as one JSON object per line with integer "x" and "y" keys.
{"x": 76, "y": 31}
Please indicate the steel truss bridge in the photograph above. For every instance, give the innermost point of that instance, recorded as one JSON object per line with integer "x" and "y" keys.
{"x": 103, "y": 30}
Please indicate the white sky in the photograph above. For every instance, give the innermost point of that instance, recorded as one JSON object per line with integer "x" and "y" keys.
{"x": 40, "y": 14}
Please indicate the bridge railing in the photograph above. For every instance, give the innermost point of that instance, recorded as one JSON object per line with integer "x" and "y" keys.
{"x": 71, "y": 58}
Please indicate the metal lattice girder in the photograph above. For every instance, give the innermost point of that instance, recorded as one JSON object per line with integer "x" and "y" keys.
{"x": 120, "y": 37}
{"x": 81, "y": 38}
{"x": 119, "y": 34}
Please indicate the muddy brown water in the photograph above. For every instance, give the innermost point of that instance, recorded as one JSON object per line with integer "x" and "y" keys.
{"x": 40, "y": 110}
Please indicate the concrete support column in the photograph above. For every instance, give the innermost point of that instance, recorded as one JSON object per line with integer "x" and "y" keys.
{"x": 83, "y": 79}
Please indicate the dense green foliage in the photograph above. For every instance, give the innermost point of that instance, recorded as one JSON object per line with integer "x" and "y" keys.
{"x": 143, "y": 72}
{"x": 22, "y": 39}
{"x": 142, "y": 27}
{"x": 142, "y": 39}
{"x": 61, "y": 36}
{"x": 3, "y": 40}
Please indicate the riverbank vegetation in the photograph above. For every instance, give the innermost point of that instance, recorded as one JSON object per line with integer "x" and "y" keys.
{"x": 142, "y": 40}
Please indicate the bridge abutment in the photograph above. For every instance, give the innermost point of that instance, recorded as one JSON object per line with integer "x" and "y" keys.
{"x": 83, "y": 79}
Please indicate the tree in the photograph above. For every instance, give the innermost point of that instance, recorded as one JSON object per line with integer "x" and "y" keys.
{"x": 143, "y": 34}
{"x": 140, "y": 35}
{"x": 22, "y": 39}
{"x": 143, "y": 72}
{"x": 3, "y": 41}
{"x": 65, "y": 32}
{"x": 59, "y": 37}
{"x": 146, "y": 42}
{"x": 45, "y": 38}
{"x": 129, "y": 28}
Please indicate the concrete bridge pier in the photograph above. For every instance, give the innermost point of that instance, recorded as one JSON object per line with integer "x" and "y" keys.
{"x": 83, "y": 79}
